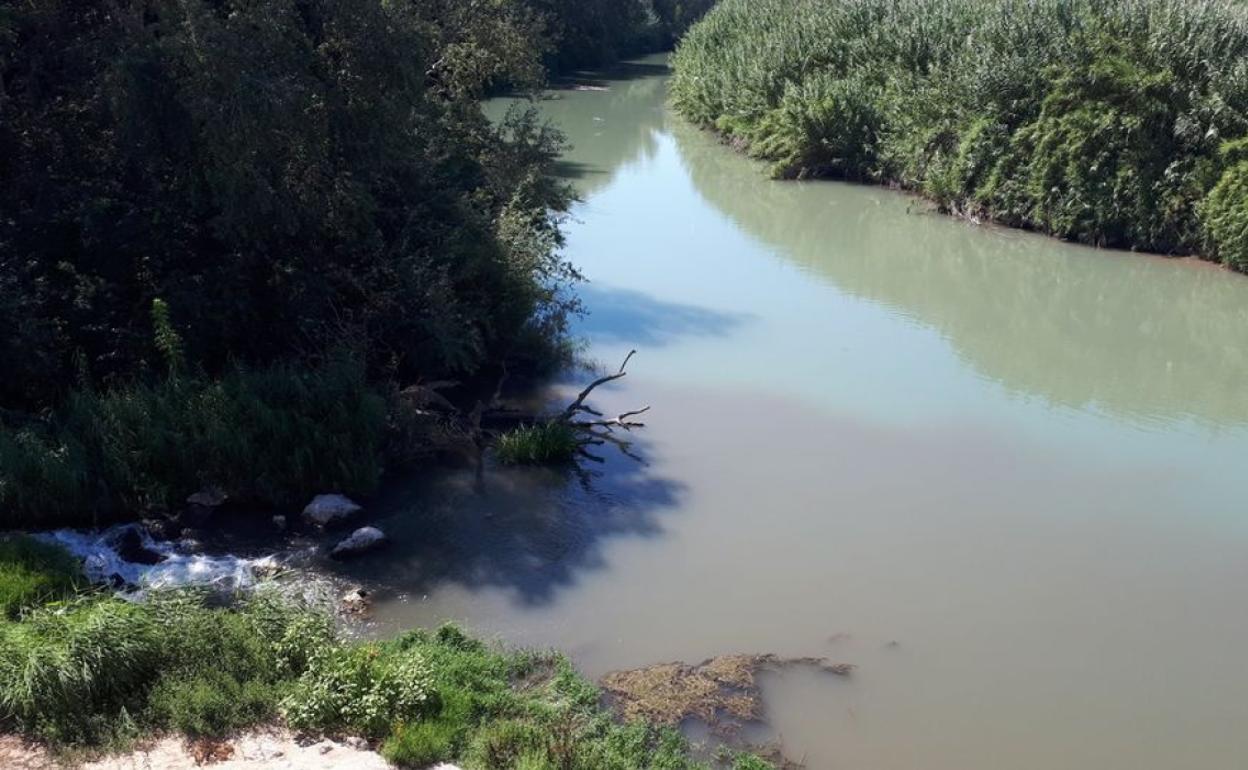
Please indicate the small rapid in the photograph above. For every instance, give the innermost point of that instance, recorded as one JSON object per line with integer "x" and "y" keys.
{"x": 117, "y": 556}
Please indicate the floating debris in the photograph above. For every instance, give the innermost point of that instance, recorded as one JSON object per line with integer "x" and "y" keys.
{"x": 722, "y": 692}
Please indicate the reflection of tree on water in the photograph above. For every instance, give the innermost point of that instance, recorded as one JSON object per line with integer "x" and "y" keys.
{"x": 609, "y": 121}
{"x": 1126, "y": 333}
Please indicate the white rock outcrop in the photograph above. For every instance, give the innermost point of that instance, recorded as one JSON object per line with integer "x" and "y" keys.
{"x": 361, "y": 541}
{"x": 330, "y": 510}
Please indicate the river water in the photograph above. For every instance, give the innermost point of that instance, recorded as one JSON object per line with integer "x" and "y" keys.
{"x": 1003, "y": 475}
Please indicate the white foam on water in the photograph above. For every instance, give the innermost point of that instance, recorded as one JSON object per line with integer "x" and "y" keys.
{"x": 101, "y": 562}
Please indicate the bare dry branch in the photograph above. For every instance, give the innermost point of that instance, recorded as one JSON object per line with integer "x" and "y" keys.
{"x": 579, "y": 404}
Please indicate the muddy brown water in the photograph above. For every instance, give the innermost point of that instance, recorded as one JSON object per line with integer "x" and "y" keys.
{"x": 1002, "y": 475}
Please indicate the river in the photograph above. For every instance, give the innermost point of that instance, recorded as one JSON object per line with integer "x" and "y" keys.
{"x": 1003, "y": 475}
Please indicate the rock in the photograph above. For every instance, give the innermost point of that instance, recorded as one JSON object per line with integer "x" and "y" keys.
{"x": 266, "y": 568}
{"x": 130, "y": 547}
{"x": 325, "y": 748}
{"x": 196, "y": 515}
{"x": 208, "y": 497}
{"x": 356, "y": 742}
{"x": 355, "y": 601}
{"x": 161, "y": 529}
{"x": 362, "y": 540}
{"x": 330, "y": 510}
{"x": 280, "y": 523}
{"x": 202, "y": 505}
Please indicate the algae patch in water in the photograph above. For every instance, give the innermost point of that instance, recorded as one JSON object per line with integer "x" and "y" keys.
{"x": 723, "y": 692}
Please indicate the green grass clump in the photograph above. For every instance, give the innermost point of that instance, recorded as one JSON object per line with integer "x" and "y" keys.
{"x": 541, "y": 443}
{"x": 32, "y": 572}
{"x": 275, "y": 435}
{"x": 1094, "y": 120}
{"x": 98, "y": 668}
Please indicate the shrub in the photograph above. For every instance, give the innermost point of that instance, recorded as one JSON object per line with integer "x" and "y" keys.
{"x": 545, "y": 442}
{"x": 362, "y": 688}
{"x": 1225, "y": 211}
{"x": 32, "y": 572}
{"x": 1094, "y": 120}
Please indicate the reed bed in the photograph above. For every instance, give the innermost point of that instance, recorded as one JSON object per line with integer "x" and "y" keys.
{"x": 1111, "y": 122}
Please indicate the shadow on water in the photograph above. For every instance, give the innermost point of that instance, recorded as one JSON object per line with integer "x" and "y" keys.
{"x": 635, "y": 318}
{"x": 530, "y": 531}
{"x": 638, "y": 69}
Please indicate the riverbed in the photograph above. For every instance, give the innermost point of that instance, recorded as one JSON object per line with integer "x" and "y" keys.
{"x": 1000, "y": 474}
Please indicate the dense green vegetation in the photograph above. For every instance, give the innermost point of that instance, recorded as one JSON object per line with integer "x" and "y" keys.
{"x": 92, "y": 670}
{"x": 34, "y": 573}
{"x": 231, "y": 228}
{"x": 1112, "y": 122}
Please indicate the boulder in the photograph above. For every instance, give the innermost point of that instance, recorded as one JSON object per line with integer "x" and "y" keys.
{"x": 330, "y": 510}
{"x": 279, "y": 521}
{"x": 361, "y": 541}
{"x": 208, "y": 497}
{"x": 131, "y": 548}
{"x": 162, "y": 528}
{"x": 355, "y": 601}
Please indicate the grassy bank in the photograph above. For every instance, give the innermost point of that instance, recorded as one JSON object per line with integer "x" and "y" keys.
{"x": 1111, "y": 122}
{"x": 89, "y": 671}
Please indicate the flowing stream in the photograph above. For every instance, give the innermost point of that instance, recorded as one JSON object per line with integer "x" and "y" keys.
{"x": 1003, "y": 475}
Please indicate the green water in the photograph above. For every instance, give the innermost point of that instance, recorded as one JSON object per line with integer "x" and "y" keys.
{"x": 1019, "y": 460}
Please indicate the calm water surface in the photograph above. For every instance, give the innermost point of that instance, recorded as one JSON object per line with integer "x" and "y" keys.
{"x": 1020, "y": 460}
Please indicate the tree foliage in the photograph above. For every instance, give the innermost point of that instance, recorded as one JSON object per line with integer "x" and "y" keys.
{"x": 284, "y": 176}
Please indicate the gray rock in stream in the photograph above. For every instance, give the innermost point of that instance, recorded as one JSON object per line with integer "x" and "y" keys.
{"x": 330, "y": 510}
{"x": 362, "y": 540}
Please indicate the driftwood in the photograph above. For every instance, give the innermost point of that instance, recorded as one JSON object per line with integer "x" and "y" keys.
{"x": 489, "y": 418}
{"x": 600, "y": 431}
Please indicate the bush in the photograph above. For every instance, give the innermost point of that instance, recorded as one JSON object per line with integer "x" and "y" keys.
{"x": 545, "y": 442}
{"x": 362, "y": 688}
{"x": 1224, "y": 211}
{"x": 32, "y": 573}
{"x": 1093, "y": 120}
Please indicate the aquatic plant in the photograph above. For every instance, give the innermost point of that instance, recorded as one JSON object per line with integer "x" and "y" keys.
{"x": 1094, "y": 120}
{"x": 542, "y": 443}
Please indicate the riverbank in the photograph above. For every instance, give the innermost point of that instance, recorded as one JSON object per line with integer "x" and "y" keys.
{"x": 1112, "y": 124}
{"x": 87, "y": 673}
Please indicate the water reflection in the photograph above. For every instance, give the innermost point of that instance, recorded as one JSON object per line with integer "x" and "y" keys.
{"x": 1128, "y": 334}
{"x": 610, "y": 123}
